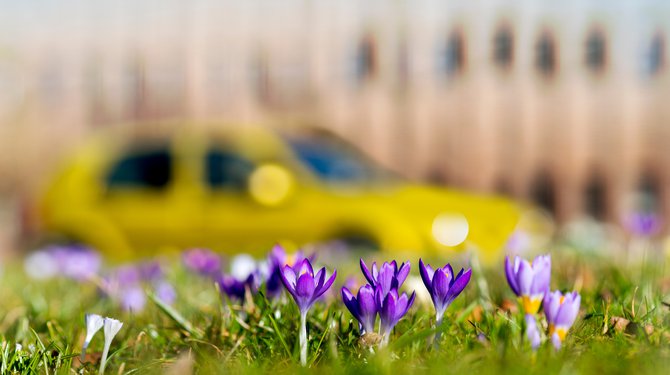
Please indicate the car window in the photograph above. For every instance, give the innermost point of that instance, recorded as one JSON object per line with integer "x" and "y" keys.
{"x": 149, "y": 168}
{"x": 226, "y": 169}
{"x": 335, "y": 162}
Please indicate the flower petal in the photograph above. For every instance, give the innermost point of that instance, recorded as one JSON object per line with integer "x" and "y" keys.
{"x": 450, "y": 272}
{"x": 386, "y": 279}
{"x": 458, "y": 285}
{"x": 366, "y": 300}
{"x": 551, "y": 305}
{"x": 387, "y": 312}
{"x": 305, "y": 267}
{"x": 288, "y": 278}
{"x": 532, "y": 332}
{"x": 326, "y": 285}
{"x": 403, "y": 272}
{"x": 400, "y": 308}
{"x": 440, "y": 286}
{"x": 511, "y": 276}
{"x": 304, "y": 288}
{"x": 320, "y": 277}
{"x": 351, "y": 303}
{"x": 542, "y": 275}
{"x": 366, "y": 272}
{"x": 427, "y": 273}
{"x": 567, "y": 312}
{"x": 525, "y": 277}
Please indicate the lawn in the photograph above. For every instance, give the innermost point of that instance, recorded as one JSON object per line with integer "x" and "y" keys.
{"x": 622, "y": 327}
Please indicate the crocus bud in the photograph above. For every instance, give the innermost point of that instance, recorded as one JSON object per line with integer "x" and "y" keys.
{"x": 391, "y": 308}
{"x": 93, "y": 324}
{"x": 362, "y": 307}
{"x": 111, "y": 328}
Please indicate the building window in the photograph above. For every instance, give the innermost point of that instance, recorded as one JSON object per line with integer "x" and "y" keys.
{"x": 655, "y": 58}
{"x": 595, "y": 198}
{"x": 453, "y": 55}
{"x": 543, "y": 192}
{"x": 546, "y": 54}
{"x": 648, "y": 198}
{"x": 366, "y": 59}
{"x": 503, "y": 48}
{"x": 596, "y": 51}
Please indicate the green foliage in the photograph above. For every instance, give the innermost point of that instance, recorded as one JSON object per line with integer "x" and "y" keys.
{"x": 42, "y": 329}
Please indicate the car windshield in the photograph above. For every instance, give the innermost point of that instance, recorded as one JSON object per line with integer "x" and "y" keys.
{"x": 334, "y": 161}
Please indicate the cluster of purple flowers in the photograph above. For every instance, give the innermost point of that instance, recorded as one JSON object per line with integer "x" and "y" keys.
{"x": 72, "y": 261}
{"x": 245, "y": 272}
{"x": 127, "y": 284}
{"x": 530, "y": 282}
{"x": 381, "y": 296}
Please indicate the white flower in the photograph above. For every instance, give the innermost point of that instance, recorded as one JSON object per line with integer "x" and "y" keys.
{"x": 242, "y": 266}
{"x": 93, "y": 324}
{"x": 40, "y": 265}
{"x": 111, "y": 328}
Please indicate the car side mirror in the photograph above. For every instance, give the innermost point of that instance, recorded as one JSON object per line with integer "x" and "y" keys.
{"x": 271, "y": 184}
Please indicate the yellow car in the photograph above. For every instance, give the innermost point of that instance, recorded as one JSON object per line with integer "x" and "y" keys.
{"x": 246, "y": 188}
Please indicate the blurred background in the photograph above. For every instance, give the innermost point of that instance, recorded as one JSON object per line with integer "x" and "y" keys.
{"x": 563, "y": 104}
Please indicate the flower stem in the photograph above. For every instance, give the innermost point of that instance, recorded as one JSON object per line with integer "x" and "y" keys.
{"x": 438, "y": 334}
{"x": 303, "y": 338}
{"x": 103, "y": 360}
{"x": 83, "y": 352}
{"x": 385, "y": 340}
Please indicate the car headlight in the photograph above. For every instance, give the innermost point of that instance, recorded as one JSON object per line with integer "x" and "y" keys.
{"x": 450, "y": 229}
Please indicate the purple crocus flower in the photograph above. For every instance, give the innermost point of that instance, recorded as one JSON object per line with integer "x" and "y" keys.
{"x": 643, "y": 224}
{"x": 303, "y": 285}
{"x": 363, "y": 307}
{"x": 133, "y": 299}
{"x": 529, "y": 281}
{"x": 126, "y": 285}
{"x": 79, "y": 263}
{"x": 76, "y": 262}
{"x": 389, "y": 276}
{"x": 277, "y": 258}
{"x": 202, "y": 261}
{"x": 443, "y": 286}
{"x": 391, "y": 307}
{"x": 532, "y": 331}
{"x": 305, "y": 288}
{"x": 561, "y": 312}
{"x": 165, "y": 292}
{"x": 150, "y": 271}
{"x": 127, "y": 275}
{"x": 234, "y": 288}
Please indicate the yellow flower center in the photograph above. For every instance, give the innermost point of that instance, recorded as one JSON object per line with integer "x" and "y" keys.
{"x": 530, "y": 304}
{"x": 560, "y": 331}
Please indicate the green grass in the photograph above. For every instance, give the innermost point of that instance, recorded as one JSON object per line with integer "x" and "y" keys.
{"x": 211, "y": 335}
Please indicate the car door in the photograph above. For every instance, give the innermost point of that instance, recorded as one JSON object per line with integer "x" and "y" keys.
{"x": 152, "y": 199}
{"x": 238, "y": 221}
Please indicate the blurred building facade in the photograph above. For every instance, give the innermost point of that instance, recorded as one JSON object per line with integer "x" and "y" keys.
{"x": 562, "y": 103}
